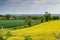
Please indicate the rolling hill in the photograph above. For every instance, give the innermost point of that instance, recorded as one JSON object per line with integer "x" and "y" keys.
{"x": 44, "y": 31}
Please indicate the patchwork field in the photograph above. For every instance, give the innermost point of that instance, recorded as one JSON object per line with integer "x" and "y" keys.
{"x": 45, "y": 31}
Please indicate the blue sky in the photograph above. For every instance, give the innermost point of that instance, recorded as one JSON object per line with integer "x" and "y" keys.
{"x": 29, "y": 6}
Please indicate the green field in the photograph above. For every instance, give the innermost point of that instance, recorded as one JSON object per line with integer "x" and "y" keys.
{"x": 15, "y": 23}
{"x": 11, "y": 23}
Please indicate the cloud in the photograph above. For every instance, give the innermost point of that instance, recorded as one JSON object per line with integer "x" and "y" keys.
{"x": 34, "y": 2}
{"x": 31, "y": 6}
{"x": 54, "y": 9}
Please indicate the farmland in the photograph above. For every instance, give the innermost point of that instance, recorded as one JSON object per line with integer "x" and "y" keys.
{"x": 15, "y": 23}
{"x": 44, "y": 31}
{"x": 11, "y": 23}
{"x": 44, "y": 27}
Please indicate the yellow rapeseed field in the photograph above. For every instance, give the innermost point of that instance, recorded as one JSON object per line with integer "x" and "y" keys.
{"x": 44, "y": 31}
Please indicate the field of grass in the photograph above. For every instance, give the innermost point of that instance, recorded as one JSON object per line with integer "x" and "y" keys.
{"x": 45, "y": 31}
{"x": 14, "y": 23}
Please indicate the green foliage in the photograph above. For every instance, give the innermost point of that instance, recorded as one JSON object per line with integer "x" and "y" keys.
{"x": 8, "y": 34}
{"x": 28, "y": 38}
{"x": 15, "y": 23}
{"x": 4, "y": 34}
{"x": 56, "y": 35}
{"x": 7, "y": 16}
{"x": 56, "y": 17}
{"x": 42, "y": 18}
{"x": 11, "y": 23}
{"x": 48, "y": 16}
{"x": 1, "y": 35}
{"x": 15, "y": 17}
{"x": 28, "y": 20}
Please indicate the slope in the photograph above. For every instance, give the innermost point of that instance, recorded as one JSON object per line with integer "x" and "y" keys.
{"x": 45, "y": 30}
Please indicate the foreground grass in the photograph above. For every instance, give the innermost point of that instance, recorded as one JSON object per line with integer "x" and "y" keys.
{"x": 45, "y": 31}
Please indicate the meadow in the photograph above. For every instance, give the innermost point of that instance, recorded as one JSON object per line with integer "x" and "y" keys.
{"x": 44, "y": 31}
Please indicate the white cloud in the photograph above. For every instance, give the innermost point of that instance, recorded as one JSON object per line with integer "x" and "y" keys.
{"x": 32, "y": 6}
{"x": 54, "y": 9}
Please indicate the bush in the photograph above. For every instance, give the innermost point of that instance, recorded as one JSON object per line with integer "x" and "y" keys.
{"x": 28, "y": 20}
{"x": 56, "y": 35}
{"x": 28, "y": 38}
{"x": 4, "y": 34}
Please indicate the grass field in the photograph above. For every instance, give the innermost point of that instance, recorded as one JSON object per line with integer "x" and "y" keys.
{"x": 11, "y": 23}
{"x": 45, "y": 31}
{"x": 14, "y": 23}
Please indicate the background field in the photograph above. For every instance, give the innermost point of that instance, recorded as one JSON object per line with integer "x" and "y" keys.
{"x": 15, "y": 23}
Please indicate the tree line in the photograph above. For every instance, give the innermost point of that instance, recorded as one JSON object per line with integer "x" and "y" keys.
{"x": 47, "y": 16}
{"x": 44, "y": 18}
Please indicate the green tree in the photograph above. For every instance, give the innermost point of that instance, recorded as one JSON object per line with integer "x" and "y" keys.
{"x": 48, "y": 16}
{"x": 42, "y": 18}
{"x": 56, "y": 17}
{"x": 15, "y": 17}
{"x": 7, "y": 16}
{"x": 1, "y": 15}
{"x": 28, "y": 20}
{"x": 4, "y": 34}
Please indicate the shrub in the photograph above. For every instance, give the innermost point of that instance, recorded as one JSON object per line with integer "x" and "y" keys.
{"x": 28, "y": 38}
{"x": 28, "y": 20}
{"x": 4, "y": 34}
{"x": 56, "y": 35}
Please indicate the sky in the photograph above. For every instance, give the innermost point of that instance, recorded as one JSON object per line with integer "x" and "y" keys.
{"x": 29, "y": 6}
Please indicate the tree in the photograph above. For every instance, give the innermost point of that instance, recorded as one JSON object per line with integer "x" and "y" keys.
{"x": 1, "y": 15}
{"x": 7, "y": 16}
{"x": 56, "y": 17}
{"x": 28, "y": 20}
{"x": 15, "y": 17}
{"x": 48, "y": 16}
{"x": 42, "y": 18}
{"x": 35, "y": 17}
